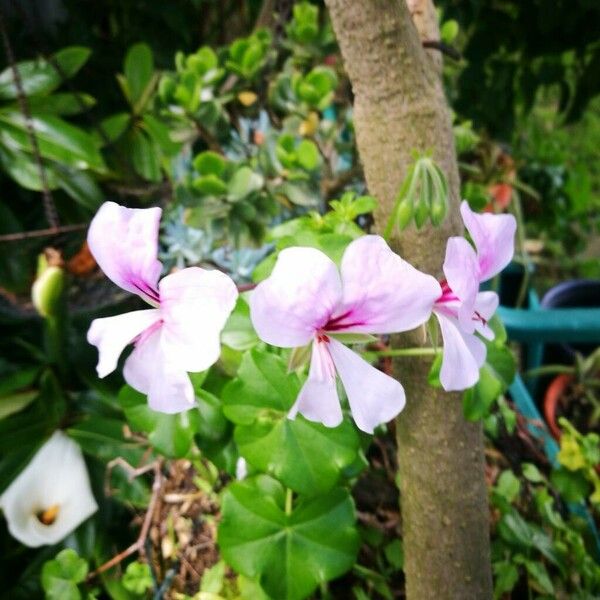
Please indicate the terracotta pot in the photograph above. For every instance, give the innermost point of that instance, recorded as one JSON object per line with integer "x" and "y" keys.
{"x": 552, "y": 398}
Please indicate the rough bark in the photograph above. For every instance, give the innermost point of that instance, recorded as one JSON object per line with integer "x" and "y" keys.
{"x": 399, "y": 107}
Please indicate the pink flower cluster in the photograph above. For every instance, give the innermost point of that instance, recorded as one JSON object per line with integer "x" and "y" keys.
{"x": 305, "y": 300}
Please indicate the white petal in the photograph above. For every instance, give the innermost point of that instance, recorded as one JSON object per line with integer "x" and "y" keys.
{"x": 195, "y": 304}
{"x": 124, "y": 242}
{"x": 56, "y": 476}
{"x": 374, "y": 397}
{"x": 463, "y": 355}
{"x": 461, "y": 269}
{"x": 494, "y": 238}
{"x": 318, "y": 399}
{"x": 150, "y": 371}
{"x": 298, "y": 297}
{"x": 382, "y": 292}
{"x": 111, "y": 334}
{"x": 486, "y": 304}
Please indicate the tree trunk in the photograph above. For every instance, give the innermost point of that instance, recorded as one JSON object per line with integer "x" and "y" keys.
{"x": 400, "y": 107}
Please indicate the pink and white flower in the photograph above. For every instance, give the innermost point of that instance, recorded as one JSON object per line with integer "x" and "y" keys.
{"x": 307, "y": 300}
{"x": 462, "y": 310}
{"x": 180, "y": 333}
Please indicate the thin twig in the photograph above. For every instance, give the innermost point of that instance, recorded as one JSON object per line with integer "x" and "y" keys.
{"x": 49, "y": 207}
{"x": 138, "y": 545}
{"x": 25, "y": 235}
{"x": 446, "y": 49}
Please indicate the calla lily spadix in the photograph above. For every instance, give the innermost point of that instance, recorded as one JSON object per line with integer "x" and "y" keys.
{"x": 51, "y": 496}
{"x": 307, "y": 300}
{"x": 180, "y": 334}
{"x": 462, "y": 310}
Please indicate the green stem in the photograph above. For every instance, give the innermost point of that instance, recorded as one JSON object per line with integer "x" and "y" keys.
{"x": 407, "y": 352}
{"x": 549, "y": 370}
{"x": 288, "y": 501}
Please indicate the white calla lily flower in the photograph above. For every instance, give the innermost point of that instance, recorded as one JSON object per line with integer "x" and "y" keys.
{"x": 51, "y": 496}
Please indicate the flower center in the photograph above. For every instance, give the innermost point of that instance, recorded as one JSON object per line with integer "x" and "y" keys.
{"x": 447, "y": 294}
{"x": 321, "y": 337}
{"x": 343, "y": 321}
{"x": 48, "y": 515}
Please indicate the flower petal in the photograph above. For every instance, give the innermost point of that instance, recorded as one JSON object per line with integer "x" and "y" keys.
{"x": 374, "y": 397}
{"x": 382, "y": 292}
{"x": 150, "y": 371}
{"x": 124, "y": 242}
{"x": 195, "y": 304}
{"x": 56, "y": 478}
{"x": 486, "y": 304}
{"x": 461, "y": 269}
{"x": 494, "y": 238}
{"x": 463, "y": 355}
{"x": 111, "y": 334}
{"x": 318, "y": 399}
{"x": 298, "y": 297}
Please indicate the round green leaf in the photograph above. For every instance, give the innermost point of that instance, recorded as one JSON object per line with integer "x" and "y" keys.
{"x": 290, "y": 554}
{"x": 308, "y": 457}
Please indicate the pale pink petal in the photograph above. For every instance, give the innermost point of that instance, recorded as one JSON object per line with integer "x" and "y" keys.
{"x": 318, "y": 399}
{"x": 124, "y": 242}
{"x": 494, "y": 238}
{"x": 463, "y": 355}
{"x": 297, "y": 299}
{"x": 195, "y": 303}
{"x": 382, "y": 292}
{"x": 111, "y": 334}
{"x": 374, "y": 397}
{"x": 150, "y": 371}
{"x": 486, "y": 304}
{"x": 461, "y": 270}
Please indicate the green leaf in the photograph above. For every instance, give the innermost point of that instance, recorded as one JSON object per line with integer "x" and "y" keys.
{"x": 308, "y": 155}
{"x": 537, "y": 571}
{"x": 25, "y": 171}
{"x": 171, "y": 435}
{"x": 213, "y": 579}
{"x": 572, "y": 485}
{"x": 449, "y": 31}
{"x": 160, "y": 133}
{"x": 532, "y": 473}
{"x": 210, "y": 163}
{"x": 495, "y": 376}
{"x": 299, "y": 193}
{"x": 210, "y": 185}
{"x": 61, "y": 104}
{"x": 137, "y": 578}
{"x": 61, "y": 575}
{"x": 57, "y": 140}
{"x": 16, "y": 402}
{"x": 81, "y": 186}
{"x": 40, "y": 77}
{"x": 506, "y": 577}
{"x": 138, "y": 69}
{"x": 290, "y": 554}
{"x": 145, "y": 157}
{"x": 113, "y": 127}
{"x": 243, "y": 182}
{"x": 263, "y": 389}
{"x": 308, "y": 457}
{"x": 103, "y": 438}
{"x": 394, "y": 553}
{"x": 238, "y": 332}
{"x": 508, "y": 486}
